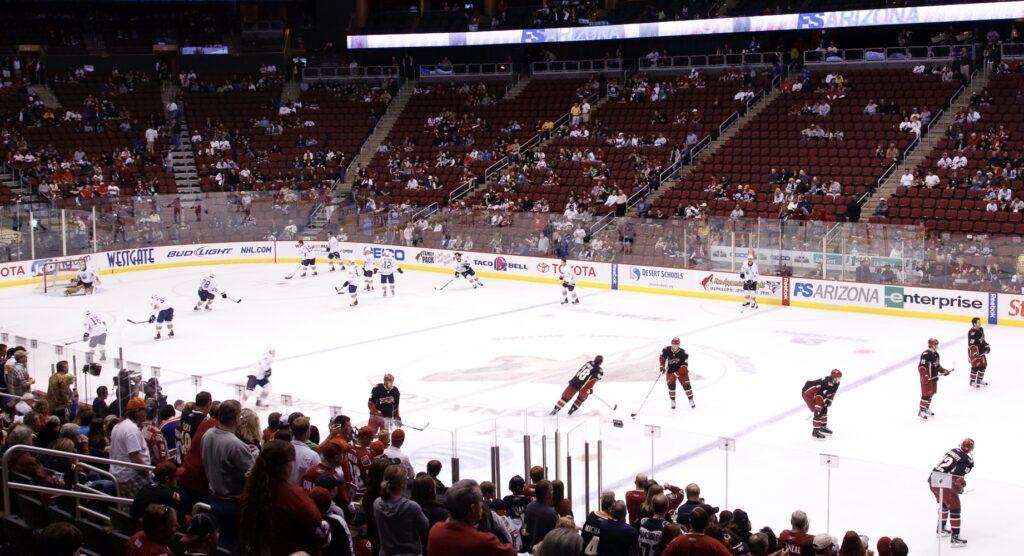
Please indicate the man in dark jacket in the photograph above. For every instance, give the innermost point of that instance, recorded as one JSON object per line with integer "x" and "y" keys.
{"x": 617, "y": 536}
{"x": 540, "y": 517}
{"x": 693, "y": 500}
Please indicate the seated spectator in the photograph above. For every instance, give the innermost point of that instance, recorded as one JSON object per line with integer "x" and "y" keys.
{"x": 882, "y": 209}
{"x": 459, "y": 533}
{"x": 159, "y": 526}
{"x": 992, "y": 206}
{"x": 736, "y": 214}
{"x": 400, "y": 521}
{"x": 162, "y": 490}
{"x": 864, "y": 273}
{"x": 931, "y": 180}
{"x": 201, "y": 535}
{"x": 59, "y": 539}
{"x": 907, "y": 179}
{"x": 424, "y": 493}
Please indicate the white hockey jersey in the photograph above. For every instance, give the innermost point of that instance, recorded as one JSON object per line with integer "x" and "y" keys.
{"x": 369, "y": 263}
{"x": 306, "y": 251}
{"x": 332, "y": 245}
{"x": 749, "y": 272}
{"x": 463, "y": 265}
{"x": 94, "y": 325}
{"x": 261, "y": 368}
{"x": 354, "y": 276}
{"x": 568, "y": 276}
{"x": 86, "y": 275}
{"x": 209, "y": 284}
{"x": 158, "y": 304}
{"x": 388, "y": 265}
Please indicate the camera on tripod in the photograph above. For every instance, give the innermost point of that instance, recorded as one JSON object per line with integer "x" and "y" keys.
{"x": 92, "y": 369}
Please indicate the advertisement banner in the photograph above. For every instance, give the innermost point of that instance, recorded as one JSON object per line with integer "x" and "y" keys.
{"x": 171, "y": 256}
{"x": 1010, "y": 309}
{"x": 806, "y": 291}
{"x": 896, "y": 300}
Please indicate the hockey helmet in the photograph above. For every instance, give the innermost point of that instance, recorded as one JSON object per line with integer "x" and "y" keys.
{"x": 675, "y": 341}
{"x": 367, "y": 251}
{"x": 211, "y": 275}
{"x": 932, "y": 342}
{"x": 271, "y": 351}
{"x": 389, "y": 378}
{"x": 967, "y": 445}
{"x": 302, "y": 242}
{"x": 458, "y": 255}
{"x": 750, "y": 259}
{"x": 88, "y": 312}
{"x": 836, "y": 375}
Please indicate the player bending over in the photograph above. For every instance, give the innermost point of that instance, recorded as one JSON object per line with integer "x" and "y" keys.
{"x": 929, "y": 368}
{"x": 464, "y": 269}
{"x": 369, "y": 268}
{"x": 568, "y": 279}
{"x": 673, "y": 362}
{"x": 334, "y": 252}
{"x": 260, "y": 376}
{"x": 96, "y": 334}
{"x": 818, "y": 395}
{"x": 749, "y": 274}
{"x": 388, "y": 266}
{"x": 582, "y": 383}
{"x": 162, "y": 312}
{"x": 383, "y": 405}
{"x": 308, "y": 255}
{"x": 208, "y": 291}
{"x": 977, "y": 349}
{"x": 957, "y": 462}
{"x": 352, "y": 283}
{"x": 86, "y": 280}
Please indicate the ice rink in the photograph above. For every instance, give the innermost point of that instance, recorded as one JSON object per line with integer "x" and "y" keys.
{"x": 484, "y": 366}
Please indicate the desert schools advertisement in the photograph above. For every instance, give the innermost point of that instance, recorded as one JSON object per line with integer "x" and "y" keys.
{"x": 692, "y": 283}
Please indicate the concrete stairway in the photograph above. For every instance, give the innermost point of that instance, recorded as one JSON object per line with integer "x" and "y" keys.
{"x": 290, "y": 91}
{"x": 518, "y": 87}
{"x": 46, "y": 94}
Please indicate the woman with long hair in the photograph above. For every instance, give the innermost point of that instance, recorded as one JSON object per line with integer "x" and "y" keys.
{"x": 646, "y": 509}
{"x": 561, "y": 504}
{"x": 374, "y": 478}
{"x": 249, "y": 430}
{"x": 278, "y": 517}
{"x": 852, "y": 545}
{"x": 400, "y": 521}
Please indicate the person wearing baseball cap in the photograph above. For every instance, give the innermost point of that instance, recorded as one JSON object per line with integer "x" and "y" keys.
{"x": 163, "y": 489}
{"x": 202, "y": 533}
{"x": 127, "y": 444}
{"x": 824, "y": 545}
{"x": 360, "y": 456}
{"x": 339, "y": 435}
{"x": 394, "y": 451}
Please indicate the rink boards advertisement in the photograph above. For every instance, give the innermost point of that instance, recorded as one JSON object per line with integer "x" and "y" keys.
{"x": 892, "y": 300}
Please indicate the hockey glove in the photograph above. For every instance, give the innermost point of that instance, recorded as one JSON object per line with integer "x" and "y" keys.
{"x": 456, "y": 272}
{"x": 743, "y": 276}
{"x": 400, "y": 271}
{"x": 376, "y": 270}
{"x": 152, "y": 318}
{"x": 828, "y": 402}
{"x": 85, "y": 336}
{"x": 988, "y": 349}
{"x": 944, "y": 372}
{"x": 268, "y": 373}
{"x": 224, "y": 295}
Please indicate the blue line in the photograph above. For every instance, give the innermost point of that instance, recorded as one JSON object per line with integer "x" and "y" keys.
{"x": 382, "y": 338}
{"x": 664, "y": 465}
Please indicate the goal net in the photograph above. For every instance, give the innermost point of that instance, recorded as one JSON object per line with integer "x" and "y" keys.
{"x": 57, "y": 273}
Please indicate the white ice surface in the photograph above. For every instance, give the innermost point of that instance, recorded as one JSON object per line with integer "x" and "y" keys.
{"x": 491, "y": 362}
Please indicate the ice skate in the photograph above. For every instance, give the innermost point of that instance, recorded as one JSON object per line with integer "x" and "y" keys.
{"x": 817, "y": 434}
{"x": 157, "y": 337}
{"x": 826, "y": 430}
{"x": 957, "y": 542}
{"x": 673, "y": 404}
{"x": 923, "y": 414}
{"x": 692, "y": 405}
{"x": 942, "y": 531}
{"x": 170, "y": 334}
{"x": 575, "y": 301}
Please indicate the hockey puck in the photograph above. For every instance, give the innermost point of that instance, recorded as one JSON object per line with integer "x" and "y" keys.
{"x": 617, "y": 423}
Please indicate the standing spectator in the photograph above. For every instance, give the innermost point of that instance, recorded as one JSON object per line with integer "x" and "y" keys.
{"x": 400, "y": 521}
{"x": 650, "y": 528}
{"x": 434, "y": 469}
{"x": 202, "y": 533}
{"x": 617, "y": 536}
{"x": 155, "y": 440}
{"x": 159, "y": 525}
{"x": 693, "y": 501}
{"x": 151, "y": 136}
{"x": 58, "y": 391}
{"x": 18, "y": 380}
{"x": 424, "y": 494}
{"x": 226, "y": 461}
{"x": 561, "y": 504}
{"x": 294, "y": 524}
{"x": 394, "y": 451}
{"x": 539, "y": 516}
{"x": 305, "y": 457}
{"x": 459, "y": 535}
{"x": 128, "y": 445}
{"x": 695, "y": 542}
{"x": 591, "y": 532}
{"x": 99, "y": 405}
{"x": 559, "y": 542}
{"x": 796, "y": 539}
{"x": 824, "y": 545}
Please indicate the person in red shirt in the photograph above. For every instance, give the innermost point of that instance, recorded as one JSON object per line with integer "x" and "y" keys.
{"x": 459, "y": 535}
{"x": 797, "y": 540}
{"x": 360, "y": 460}
{"x": 330, "y": 459}
{"x": 536, "y": 476}
{"x": 635, "y": 498}
{"x": 193, "y": 478}
{"x": 295, "y": 524}
{"x": 695, "y": 543}
{"x": 159, "y": 525}
{"x": 341, "y": 432}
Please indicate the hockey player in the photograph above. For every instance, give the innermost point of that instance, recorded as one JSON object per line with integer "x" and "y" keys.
{"x": 260, "y": 376}
{"x": 568, "y": 279}
{"x": 464, "y": 269}
{"x": 957, "y": 462}
{"x": 334, "y": 252}
{"x": 383, "y": 405}
{"x": 351, "y": 282}
{"x": 369, "y": 268}
{"x": 929, "y": 368}
{"x": 96, "y": 334}
{"x": 818, "y": 395}
{"x": 673, "y": 362}
{"x": 977, "y": 348}
{"x": 162, "y": 312}
{"x": 86, "y": 279}
{"x": 308, "y": 255}
{"x": 749, "y": 274}
{"x": 388, "y": 266}
{"x": 208, "y": 291}
{"x": 582, "y": 382}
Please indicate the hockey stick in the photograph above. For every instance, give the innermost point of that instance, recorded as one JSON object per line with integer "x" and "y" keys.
{"x": 73, "y": 342}
{"x": 229, "y": 298}
{"x": 138, "y": 322}
{"x": 613, "y": 407}
{"x": 292, "y": 275}
{"x": 633, "y": 415}
{"x": 446, "y": 284}
{"x": 413, "y": 427}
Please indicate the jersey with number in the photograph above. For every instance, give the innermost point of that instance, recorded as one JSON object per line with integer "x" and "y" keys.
{"x": 261, "y": 369}
{"x": 750, "y": 273}
{"x": 671, "y": 360}
{"x": 823, "y": 387}
{"x": 307, "y": 251}
{"x": 955, "y": 462}
{"x": 650, "y": 534}
{"x": 209, "y": 284}
{"x": 929, "y": 367}
{"x": 94, "y": 325}
{"x": 353, "y": 276}
{"x": 568, "y": 277}
{"x": 589, "y": 371}
{"x": 86, "y": 276}
{"x": 158, "y": 304}
{"x": 463, "y": 265}
{"x": 977, "y": 347}
{"x": 188, "y": 425}
{"x": 332, "y": 245}
{"x": 388, "y": 266}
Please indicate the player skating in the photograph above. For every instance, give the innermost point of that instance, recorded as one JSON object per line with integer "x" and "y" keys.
{"x": 957, "y": 462}
{"x": 818, "y": 395}
{"x": 749, "y": 274}
{"x": 85, "y": 280}
{"x": 162, "y": 312}
{"x": 568, "y": 279}
{"x": 581, "y": 385}
{"x": 96, "y": 334}
{"x": 383, "y": 405}
{"x": 464, "y": 269}
{"x": 388, "y": 266}
{"x": 334, "y": 252}
{"x": 308, "y": 255}
{"x": 929, "y": 368}
{"x": 351, "y": 283}
{"x": 977, "y": 348}
{"x": 369, "y": 268}
{"x": 674, "y": 363}
{"x": 260, "y": 376}
{"x": 208, "y": 290}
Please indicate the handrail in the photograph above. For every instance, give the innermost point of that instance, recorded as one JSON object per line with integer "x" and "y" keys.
{"x": 577, "y": 66}
{"x": 99, "y": 471}
{"x": 668, "y": 63}
{"x": 8, "y": 485}
{"x": 500, "y": 69}
{"x": 728, "y": 121}
{"x": 429, "y": 209}
{"x": 1012, "y": 50}
{"x": 935, "y": 119}
{"x": 344, "y": 73}
{"x": 881, "y": 54}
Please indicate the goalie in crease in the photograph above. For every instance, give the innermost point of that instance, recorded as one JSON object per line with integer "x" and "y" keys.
{"x": 85, "y": 280}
